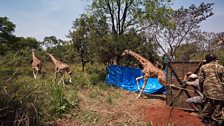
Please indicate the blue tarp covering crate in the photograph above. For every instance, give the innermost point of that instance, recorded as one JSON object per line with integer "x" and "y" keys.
{"x": 124, "y": 77}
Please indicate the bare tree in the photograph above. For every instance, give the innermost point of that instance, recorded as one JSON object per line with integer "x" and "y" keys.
{"x": 183, "y": 21}
{"x": 219, "y": 40}
{"x": 203, "y": 40}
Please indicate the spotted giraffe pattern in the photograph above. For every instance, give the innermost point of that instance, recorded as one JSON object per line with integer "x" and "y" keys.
{"x": 61, "y": 68}
{"x": 149, "y": 70}
{"x": 36, "y": 65}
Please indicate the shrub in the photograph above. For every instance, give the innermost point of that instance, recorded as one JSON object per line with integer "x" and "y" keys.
{"x": 221, "y": 60}
{"x": 25, "y": 101}
{"x": 59, "y": 104}
{"x": 18, "y": 105}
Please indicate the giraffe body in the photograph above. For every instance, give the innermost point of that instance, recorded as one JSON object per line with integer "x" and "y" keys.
{"x": 61, "y": 68}
{"x": 36, "y": 65}
{"x": 149, "y": 70}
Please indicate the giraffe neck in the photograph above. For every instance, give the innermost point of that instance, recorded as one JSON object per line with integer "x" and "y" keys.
{"x": 33, "y": 55}
{"x": 139, "y": 58}
{"x": 55, "y": 61}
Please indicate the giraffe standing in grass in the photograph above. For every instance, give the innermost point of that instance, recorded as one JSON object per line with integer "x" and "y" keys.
{"x": 149, "y": 70}
{"x": 36, "y": 65}
{"x": 61, "y": 68}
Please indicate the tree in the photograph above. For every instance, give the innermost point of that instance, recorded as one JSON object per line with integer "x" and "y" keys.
{"x": 184, "y": 22}
{"x": 203, "y": 40}
{"x": 6, "y": 28}
{"x": 84, "y": 30}
{"x": 186, "y": 51}
{"x": 123, "y": 16}
{"x": 11, "y": 43}
{"x": 28, "y": 42}
{"x": 219, "y": 40}
{"x": 51, "y": 42}
{"x": 199, "y": 44}
{"x": 6, "y": 34}
{"x": 120, "y": 13}
{"x": 217, "y": 46}
{"x": 58, "y": 47}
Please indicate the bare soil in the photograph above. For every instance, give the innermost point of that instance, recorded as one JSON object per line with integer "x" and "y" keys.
{"x": 123, "y": 108}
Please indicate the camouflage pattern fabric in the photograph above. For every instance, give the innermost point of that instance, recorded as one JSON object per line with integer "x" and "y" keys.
{"x": 193, "y": 80}
{"x": 213, "y": 109}
{"x": 210, "y": 76}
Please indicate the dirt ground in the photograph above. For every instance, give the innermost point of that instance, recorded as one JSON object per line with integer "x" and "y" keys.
{"x": 127, "y": 110}
{"x": 155, "y": 110}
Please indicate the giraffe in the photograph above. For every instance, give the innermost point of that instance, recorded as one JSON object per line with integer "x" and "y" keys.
{"x": 60, "y": 68}
{"x": 149, "y": 70}
{"x": 36, "y": 65}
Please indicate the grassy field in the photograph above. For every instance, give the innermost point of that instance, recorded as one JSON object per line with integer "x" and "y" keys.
{"x": 87, "y": 101}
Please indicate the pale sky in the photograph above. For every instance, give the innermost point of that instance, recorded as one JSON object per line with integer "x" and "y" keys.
{"x": 213, "y": 23}
{"x": 42, "y": 18}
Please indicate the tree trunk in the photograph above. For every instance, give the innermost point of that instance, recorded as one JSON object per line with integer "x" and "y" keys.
{"x": 83, "y": 65}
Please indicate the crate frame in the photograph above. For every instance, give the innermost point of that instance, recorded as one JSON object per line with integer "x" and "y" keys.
{"x": 177, "y": 92}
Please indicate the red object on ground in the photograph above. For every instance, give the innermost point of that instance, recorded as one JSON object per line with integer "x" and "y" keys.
{"x": 165, "y": 115}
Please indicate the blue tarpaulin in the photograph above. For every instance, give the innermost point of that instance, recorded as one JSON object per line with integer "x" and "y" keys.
{"x": 124, "y": 77}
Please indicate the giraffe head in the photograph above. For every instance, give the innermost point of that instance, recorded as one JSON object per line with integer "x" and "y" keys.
{"x": 125, "y": 52}
{"x": 33, "y": 49}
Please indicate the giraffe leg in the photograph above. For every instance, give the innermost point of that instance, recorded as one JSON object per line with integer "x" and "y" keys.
{"x": 61, "y": 80}
{"x": 70, "y": 78}
{"x": 55, "y": 75}
{"x": 37, "y": 73}
{"x": 34, "y": 75}
{"x": 162, "y": 79}
{"x": 138, "y": 78}
{"x": 145, "y": 81}
{"x": 37, "y": 70}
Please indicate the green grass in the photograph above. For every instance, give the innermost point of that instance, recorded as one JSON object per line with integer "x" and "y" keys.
{"x": 44, "y": 101}
{"x": 49, "y": 100}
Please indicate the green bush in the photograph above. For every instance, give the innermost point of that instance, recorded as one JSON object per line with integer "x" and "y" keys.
{"x": 18, "y": 105}
{"x": 59, "y": 104}
{"x": 82, "y": 80}
{"x": 5, "y": 72}
{"x": 25, "y": 101}
{"x": 221, "y": 60}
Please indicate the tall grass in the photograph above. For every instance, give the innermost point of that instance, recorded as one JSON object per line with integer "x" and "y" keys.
{"x": 19, "y": 104}
{"x": 59, "y": 104}
{"x": 26, "y": 101}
